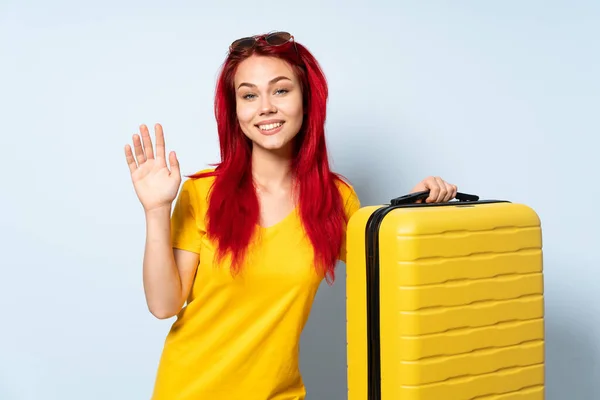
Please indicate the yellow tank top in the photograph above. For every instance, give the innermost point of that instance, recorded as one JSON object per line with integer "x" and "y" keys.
{"x": 238, "y": 337}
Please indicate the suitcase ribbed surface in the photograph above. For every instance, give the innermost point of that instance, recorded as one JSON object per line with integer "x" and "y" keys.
{"x": 461, "y": 304}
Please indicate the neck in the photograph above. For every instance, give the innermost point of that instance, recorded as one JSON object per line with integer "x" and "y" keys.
{"x": 271, "y": 170}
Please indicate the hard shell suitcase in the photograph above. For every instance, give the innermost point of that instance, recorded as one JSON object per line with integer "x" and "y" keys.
{"x": 445, "y": 301}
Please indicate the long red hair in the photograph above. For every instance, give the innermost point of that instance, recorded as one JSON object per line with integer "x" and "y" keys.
{"x": 233, "y": 211}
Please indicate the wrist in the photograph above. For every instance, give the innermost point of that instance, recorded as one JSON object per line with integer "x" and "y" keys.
{"x": 159, "y": 212}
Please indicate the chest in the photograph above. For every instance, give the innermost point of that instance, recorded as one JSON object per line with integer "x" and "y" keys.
{"x": 274, "y": 207}
{"x": 278, "y": 261}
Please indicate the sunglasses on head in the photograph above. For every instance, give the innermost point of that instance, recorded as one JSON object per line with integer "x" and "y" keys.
{"x": 272, "y": 39}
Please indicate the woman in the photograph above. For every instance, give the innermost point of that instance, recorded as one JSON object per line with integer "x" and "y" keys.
{"x": 248, "y": 242}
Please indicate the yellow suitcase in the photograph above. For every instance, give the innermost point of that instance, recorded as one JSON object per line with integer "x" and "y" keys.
{"x": 445, "y": 301}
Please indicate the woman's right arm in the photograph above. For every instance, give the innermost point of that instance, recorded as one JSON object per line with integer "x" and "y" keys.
{"x": 167, "y": 272}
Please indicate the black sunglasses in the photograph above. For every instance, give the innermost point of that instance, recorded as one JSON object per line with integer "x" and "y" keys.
{"x": 272, "y": 39}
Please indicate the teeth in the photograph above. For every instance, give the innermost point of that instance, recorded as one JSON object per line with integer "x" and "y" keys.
{"x": 270, "y": 126}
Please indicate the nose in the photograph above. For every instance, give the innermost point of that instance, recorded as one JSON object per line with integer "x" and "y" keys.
{"x": 267, "y": 107}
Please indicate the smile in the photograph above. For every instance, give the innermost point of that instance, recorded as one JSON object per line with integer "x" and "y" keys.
{"x": 270, "y": 127}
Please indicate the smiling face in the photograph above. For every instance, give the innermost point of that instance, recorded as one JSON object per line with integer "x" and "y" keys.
{"x": 268, "y": 102}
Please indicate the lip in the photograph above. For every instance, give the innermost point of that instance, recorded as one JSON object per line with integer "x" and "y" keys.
{"x": 272, "y": 131}
{"x": 269, "y": 121}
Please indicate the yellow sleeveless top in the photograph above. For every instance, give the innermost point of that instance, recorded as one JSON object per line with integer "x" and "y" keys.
{"x": 238, "y": 337}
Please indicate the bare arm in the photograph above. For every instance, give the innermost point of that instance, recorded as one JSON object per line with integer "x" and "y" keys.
{"x": 167, "y": 272}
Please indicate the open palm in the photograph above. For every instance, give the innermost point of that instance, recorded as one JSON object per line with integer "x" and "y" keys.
{"x": 155, "y": 185}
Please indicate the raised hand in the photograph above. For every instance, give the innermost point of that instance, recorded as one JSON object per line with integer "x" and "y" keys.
{"x": 155, "y": 185}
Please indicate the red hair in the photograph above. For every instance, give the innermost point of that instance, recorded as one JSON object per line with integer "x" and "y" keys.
{"x": 233, "y": 211}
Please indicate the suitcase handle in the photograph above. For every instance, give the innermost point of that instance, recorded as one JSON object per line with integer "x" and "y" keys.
{"x": 413, "y": 197}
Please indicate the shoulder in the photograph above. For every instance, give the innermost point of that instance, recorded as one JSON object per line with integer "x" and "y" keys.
{"x": 199, "y": 183}
{"x": 350, "y": 199}
{"x": 345, "y": 187}
{"x": 194, "y": 191}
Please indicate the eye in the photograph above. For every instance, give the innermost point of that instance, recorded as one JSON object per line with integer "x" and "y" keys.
{"x": 281, "y": 91}
{"x": 248, "y": 96}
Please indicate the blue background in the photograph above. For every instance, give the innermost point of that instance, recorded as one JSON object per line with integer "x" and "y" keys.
{"x": 499, "y": 97}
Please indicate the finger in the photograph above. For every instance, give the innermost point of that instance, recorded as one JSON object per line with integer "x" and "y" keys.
{"x": 130, "y": 160}
{"x": 443, "y": 190}
{"x": 160, "y": 141}
{"x": 446, "y": 190}
{"x": 139, "y": 151}
{"x": 174, "y": 163}
{"x": 448, "y": 195}
{"x": 434, "y": 190}
{"x": 147, "y": 142}
{"x": 453, "y": 191}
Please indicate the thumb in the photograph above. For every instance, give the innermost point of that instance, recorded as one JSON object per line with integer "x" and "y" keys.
{"x": 174, "y": 163}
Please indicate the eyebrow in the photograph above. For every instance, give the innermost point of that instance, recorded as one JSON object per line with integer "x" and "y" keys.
{"x": 271, "y": 82}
